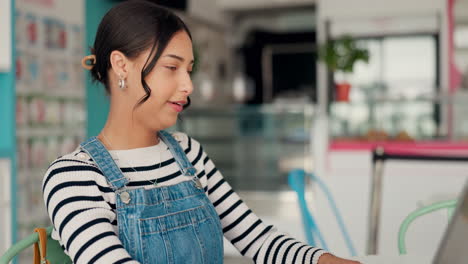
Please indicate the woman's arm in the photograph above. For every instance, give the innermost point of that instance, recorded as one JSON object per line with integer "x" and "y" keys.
{"x": 78, "y": 201}
{"x": 253, "y": 238}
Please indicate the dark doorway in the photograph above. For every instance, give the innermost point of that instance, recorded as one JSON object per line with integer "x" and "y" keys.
{"x": 280, "y": 65}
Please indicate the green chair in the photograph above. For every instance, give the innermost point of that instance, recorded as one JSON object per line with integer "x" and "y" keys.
{"x": 55, "y": 253}
{"x": 450, "y": 205}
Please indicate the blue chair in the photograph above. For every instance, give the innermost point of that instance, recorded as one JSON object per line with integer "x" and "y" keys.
{"x": 296, "y": 180}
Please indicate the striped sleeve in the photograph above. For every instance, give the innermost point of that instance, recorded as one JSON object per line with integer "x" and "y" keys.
{"x": 73, "y": 193}
{"x": 246, "y": 231}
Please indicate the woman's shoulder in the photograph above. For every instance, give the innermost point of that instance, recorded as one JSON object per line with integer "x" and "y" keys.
{"x": 75, "y": 161}
{"x": 76, "y": 165}
{"x": 77, "y": 156}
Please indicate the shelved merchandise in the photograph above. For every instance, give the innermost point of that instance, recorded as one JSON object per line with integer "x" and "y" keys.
{"x": 50, "y": 98}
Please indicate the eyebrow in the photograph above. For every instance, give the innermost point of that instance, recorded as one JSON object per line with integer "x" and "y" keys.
{"x": 177, "y": 57}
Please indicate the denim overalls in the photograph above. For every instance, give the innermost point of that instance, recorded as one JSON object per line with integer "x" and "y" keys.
{"x": 169, "y": 224}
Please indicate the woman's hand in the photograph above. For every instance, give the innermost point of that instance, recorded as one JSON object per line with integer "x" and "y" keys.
{"x": 328, "y": 258}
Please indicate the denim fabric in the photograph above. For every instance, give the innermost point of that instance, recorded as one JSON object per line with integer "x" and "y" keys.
{"x": 169, "y": 224}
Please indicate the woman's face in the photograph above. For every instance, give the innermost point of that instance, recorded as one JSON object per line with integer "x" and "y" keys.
{"x": 169, "y": 81}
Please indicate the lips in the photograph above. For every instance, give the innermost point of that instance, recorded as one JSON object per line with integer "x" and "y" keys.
{"x": 182, "y": 103}
{"x": 178, "y": 106}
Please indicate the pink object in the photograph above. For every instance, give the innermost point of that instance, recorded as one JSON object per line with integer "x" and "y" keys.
{"x": 454, "y": 73}
{"x": 62, "y": 39}
{"x": 416, "y": 148}
{"x": 32, "y": 32}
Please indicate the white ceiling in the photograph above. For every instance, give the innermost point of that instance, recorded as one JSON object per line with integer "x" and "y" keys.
{"x": 244, "y": 5}
{"x": 460, "y": 12}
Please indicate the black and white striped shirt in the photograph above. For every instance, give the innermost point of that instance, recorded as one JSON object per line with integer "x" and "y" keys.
{"x": 81, "y": 205}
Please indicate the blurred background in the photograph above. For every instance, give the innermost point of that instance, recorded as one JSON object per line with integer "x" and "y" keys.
{"x": 316, "y": 85}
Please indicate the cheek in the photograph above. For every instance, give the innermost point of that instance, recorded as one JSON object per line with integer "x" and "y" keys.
{"x": 162, "y": 84}
{"x": 161, "y": 92}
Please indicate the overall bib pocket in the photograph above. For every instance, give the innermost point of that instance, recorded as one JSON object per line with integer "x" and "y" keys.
{"x": 190, "y": 236}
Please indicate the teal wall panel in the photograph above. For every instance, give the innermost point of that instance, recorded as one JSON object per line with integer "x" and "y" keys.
{"x": 96, "y": 98}
{"x": 8, "y": 120}
{"x": 7, "y": 99}
{"x": 7, "y": 113}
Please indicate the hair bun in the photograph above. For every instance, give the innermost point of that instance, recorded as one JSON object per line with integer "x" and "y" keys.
{"x": 91, "y": 59}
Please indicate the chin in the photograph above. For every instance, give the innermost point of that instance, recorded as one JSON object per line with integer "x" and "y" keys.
{"x": 167, "y": 124}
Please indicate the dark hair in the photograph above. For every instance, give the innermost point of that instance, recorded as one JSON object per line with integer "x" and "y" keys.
{"x": 132, "y": 27}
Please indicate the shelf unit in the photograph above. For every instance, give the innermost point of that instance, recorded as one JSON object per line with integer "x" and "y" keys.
{"x": 50, "y": 100}
{"x": 253, "y": 146}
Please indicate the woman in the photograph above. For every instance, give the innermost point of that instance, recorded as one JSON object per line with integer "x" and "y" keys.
{"x": 137, "y": 194}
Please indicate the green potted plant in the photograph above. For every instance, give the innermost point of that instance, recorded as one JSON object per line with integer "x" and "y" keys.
{"x": 340, "y": 55}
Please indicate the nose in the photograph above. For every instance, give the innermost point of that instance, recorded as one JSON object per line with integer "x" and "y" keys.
{"x": 186, "y": 84}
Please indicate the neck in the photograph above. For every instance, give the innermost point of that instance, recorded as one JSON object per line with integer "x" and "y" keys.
{"x": 120, "y": 133}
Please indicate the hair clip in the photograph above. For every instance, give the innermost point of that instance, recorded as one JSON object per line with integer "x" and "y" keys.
{"x": 91, "y": 58}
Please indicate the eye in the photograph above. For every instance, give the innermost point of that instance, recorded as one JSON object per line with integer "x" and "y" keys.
{"x": 172, "y": 68}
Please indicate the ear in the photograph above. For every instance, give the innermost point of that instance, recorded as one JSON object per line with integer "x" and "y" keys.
{"x": 120, "y": 63}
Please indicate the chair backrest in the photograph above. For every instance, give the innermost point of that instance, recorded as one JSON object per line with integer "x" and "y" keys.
{"x": 450, "y": 205}
{"x": 296, "y": 180}
{"x": 55, "y": 253}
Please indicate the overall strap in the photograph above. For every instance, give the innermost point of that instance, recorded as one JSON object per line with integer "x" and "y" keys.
{"x": 179, "y": 154}
{"x": 105, "y": 162}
